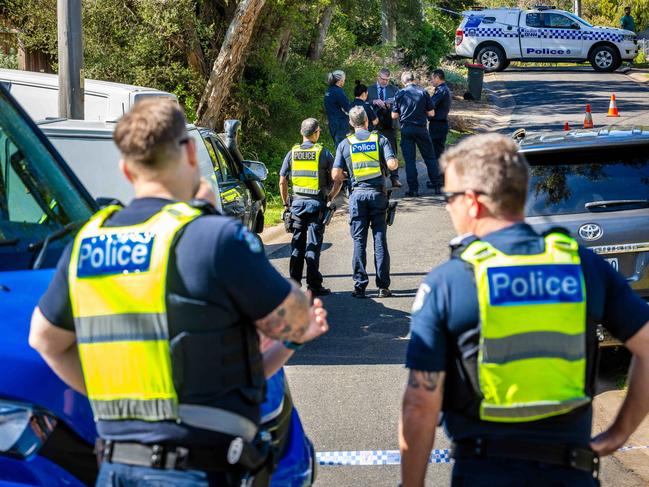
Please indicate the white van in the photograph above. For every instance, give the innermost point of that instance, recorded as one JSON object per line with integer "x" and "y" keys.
{"x": 104, "y": 101}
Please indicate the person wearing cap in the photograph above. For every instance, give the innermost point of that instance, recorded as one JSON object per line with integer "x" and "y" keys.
{"x": 337, "y": 106}
{"x": 308, "y": 165}
{"x": 412, "y": 106}
{"x": 366, "y": 156}
{"x": 503, "y": 338}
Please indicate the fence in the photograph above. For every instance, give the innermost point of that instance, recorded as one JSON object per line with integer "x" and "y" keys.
{"x": 643, "y": 44}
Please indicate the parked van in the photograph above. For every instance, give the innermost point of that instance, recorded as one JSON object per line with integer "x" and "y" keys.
{"x": 104, "y": 101}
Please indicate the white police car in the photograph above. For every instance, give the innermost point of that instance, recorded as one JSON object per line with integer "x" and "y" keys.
{"x": 495, "y": 37}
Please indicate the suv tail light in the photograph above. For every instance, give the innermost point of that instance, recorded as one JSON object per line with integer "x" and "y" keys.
{"x": 459, "y": 37}
{"x": 23, "y": 429}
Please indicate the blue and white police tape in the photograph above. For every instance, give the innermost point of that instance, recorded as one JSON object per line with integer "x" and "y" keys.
{"x": 393, "y": 457}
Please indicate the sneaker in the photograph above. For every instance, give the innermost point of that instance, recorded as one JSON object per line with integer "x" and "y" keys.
{"x": 319, "y": 291}
{"x": 412, "y": 194}
{"x": 396, "y": 183}
{"x": 384, "y": 293}
{"x": 358, "y": 293}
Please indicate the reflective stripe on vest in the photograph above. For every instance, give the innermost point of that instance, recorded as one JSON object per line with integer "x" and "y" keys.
{"x": 304, "y": 170}
{"x": 366, "y": 159}
{"x": 117, "y": 279}
{"x": 532, "y": 356}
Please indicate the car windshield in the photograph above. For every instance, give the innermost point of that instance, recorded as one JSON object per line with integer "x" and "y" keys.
{"x": 37, "y": 198}
{"x": 578, "y": 19}
{"x": 583, "y": 182}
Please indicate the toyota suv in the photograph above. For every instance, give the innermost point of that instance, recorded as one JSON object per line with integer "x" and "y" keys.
{"x": 595, "y": 183}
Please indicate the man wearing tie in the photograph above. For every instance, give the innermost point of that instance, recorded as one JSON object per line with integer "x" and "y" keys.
{"x": 381, "y": 96}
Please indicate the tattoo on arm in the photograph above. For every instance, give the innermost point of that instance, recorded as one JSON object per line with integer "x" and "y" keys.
{"x": 419, "y": 379}
{"x": 289, "y": 320}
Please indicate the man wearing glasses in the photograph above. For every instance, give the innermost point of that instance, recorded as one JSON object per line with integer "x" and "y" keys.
{"x": 309, "y": 166}
{"x": 503, "y": 338}
{"x": 381, "y": 96}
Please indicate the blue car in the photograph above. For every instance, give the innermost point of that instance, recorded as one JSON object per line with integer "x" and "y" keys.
{"x": 47, "y": 433}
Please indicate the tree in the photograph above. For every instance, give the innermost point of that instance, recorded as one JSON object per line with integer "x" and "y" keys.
{"x": 388, "y": 21}
{"x": 316, "y": 47}
{"x": 229, "y": 63}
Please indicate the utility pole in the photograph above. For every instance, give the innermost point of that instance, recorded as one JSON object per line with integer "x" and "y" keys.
{"x": 70, "y": 59}
{"x": 577, "y": 7}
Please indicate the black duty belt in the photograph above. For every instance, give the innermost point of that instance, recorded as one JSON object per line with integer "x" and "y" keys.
{"x": 555, "y": 454}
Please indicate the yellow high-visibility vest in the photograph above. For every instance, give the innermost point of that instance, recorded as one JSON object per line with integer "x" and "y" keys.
{"x": 304, "y": 170}
{"x": 365, "y": 156}
{"x": 532, "y": 354}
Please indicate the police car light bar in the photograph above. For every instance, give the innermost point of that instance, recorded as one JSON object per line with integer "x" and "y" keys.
{"x": 545, "y": 7}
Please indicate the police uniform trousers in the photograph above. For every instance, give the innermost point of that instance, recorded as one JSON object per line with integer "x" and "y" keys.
{"x": 482, "y": 472}
{"x": 121, "y": 475}
{"x": 438, "y": 130}
{"x": 306, "y": 244}
{"x": 338, "y": 131}
{"x": 391, "y": 135}
{"x": 415, "y": 137}
{"x": 367, "y": 209}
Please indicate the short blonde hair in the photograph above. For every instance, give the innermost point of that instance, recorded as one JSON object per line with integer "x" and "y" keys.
{"x": 491, "y": 163}
{"x": 357, "y": 117}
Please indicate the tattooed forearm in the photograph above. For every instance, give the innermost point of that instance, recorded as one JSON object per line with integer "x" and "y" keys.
{"x": 289, "y": 320}
{"x": 425, "y": 380}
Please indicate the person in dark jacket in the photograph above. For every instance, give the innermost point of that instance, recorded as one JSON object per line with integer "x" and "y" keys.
{"x": 337, "y": 106}
{"x": 360, "y": 100}
{"x": 438, "y": 123}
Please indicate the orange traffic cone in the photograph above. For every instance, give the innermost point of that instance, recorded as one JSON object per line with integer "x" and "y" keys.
{"x": 566, "y": 126}
{"x": 612, "y": 108}
{"x": 588, "y": 119}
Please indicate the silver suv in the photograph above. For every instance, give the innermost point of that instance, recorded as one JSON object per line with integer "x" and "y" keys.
{"x": 595, "y": 184}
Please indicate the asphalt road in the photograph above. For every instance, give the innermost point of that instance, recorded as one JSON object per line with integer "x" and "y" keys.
{"x": 547, "y": 97}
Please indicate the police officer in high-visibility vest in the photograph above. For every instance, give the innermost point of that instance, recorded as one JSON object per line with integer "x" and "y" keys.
{"x": 504, "y": 338}
{"x": 308, "y": 165}
{"x": 367, "y": 157}
{"x": 153, "y": 312}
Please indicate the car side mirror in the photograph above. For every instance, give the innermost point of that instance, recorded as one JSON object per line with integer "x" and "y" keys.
{"x": 104, "y": 201}
{"x": 575, "y": 26}
{"x": 254, "y": 171}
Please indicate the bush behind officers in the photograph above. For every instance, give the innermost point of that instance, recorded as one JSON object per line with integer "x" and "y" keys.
{"x": 365, "y": 156}
{"x": 309, "y": 166}
{"x": 504, "y": 342}
{"x": 412, "y": 106}
{"x": 153, "y": 313}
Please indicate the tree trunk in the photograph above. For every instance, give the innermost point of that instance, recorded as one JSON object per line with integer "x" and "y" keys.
{"x": 388, "y": 22}
{"x": 229, "y": 63}
{"x": 577, "y": 8}
{"x": 283, "y": 44}
{"x": 317, "y": 43}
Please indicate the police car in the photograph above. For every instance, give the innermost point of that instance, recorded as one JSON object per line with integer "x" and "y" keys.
{"x": 495, "y": 37}
{"x": 595, "y": 184}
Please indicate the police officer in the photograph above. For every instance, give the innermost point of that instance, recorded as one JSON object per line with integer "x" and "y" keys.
{"x": 503, "y": 338}
{"x": 412, "y": 106}
{"x": 336, "y": 106}
{"x": 309, "y": 166}
{"x": 438, "y": 123}
{"x": 360, "y": 100}
{"x": 381, "y": 96}
{"x": 153, "y": 313}
{"x": 365, "y": 157}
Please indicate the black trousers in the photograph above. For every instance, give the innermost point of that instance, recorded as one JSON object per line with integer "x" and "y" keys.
{"x": 391, "y": 135}
{"x": 306, "y": 245}
{"x": 438, "y": 130}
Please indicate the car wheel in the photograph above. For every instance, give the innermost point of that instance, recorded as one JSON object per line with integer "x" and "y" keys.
{"x": 506, "y": 64}
{"x": 259, "y": 222}
{"x": 605, "y": 59}
{"x": 492, "y": 58}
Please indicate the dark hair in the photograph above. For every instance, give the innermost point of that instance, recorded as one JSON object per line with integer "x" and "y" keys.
{"x": 440, "y": 74}
{"x": 359, "y": 89}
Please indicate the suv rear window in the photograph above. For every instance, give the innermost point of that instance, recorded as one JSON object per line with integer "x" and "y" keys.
{"x": 565, "y": 183}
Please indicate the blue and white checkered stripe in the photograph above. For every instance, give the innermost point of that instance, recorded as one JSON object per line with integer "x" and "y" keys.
{"x": 495, "y": 32}
{"x": 374, "y": 457}
{"x": 393, "y": 457}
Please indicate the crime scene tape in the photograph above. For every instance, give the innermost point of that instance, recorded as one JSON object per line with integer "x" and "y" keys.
{"x": 393, "y": 457}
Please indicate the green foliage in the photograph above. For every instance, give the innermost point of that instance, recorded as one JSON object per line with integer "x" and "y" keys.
{"x": 424, "y": 45}
{"x": 9, "y": 60}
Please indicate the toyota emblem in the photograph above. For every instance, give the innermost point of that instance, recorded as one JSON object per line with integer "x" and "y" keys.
{"x": 590, "y": 231}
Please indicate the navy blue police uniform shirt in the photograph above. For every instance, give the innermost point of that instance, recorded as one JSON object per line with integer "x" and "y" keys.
{"x": 369, "y": 111}
{"x": 412, "y": 103}
{"x": 305, "y": 204}
{"x": 447, "y": 306}
{"x": 441, "y": 102}
{"x": 336, "y": 105}
{"x": 343, "y": 160}
{"x": 217, "y": 261}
